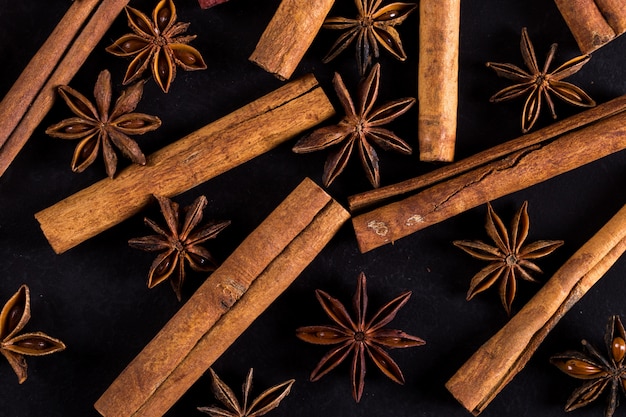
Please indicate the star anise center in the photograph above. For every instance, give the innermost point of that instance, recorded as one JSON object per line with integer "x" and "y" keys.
{"x": 359, "y": 336}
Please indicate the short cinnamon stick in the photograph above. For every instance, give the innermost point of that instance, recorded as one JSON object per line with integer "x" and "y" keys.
{"x": 226, "y": 143}
{"x": 438, "y": 74}
{"x": 591, "y": 22}
{"x": 289, "y": 35}
{"x": 516, "y": 171}
{"x": 34, "y": 101}
{"x": 484, "y": 375}
{"x": 259, "y": 270}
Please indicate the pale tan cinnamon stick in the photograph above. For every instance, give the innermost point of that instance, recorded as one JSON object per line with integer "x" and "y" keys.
{"x": 73, "y": 59}
{"x": 196, "y": 158}
{"x": 259, "y": 270}
{"x": 587, "y": 23}
{"x": 438, "y": 75}
{"x": 380, "y": 195}
{"x": 289, "y": 34}
{"x": 484, "y": 375}
{"x": 514, "y": 172}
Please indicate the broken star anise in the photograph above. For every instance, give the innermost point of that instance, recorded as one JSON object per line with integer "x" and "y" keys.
{"x": 97, "y": 128}
{"x": 267, "y": 401}
{"x": 373, "y": 25}
{"x": 359, "y": 337}
{"x": 598, "y": 371}
{"x": 179, "y": 242}
{"x": 538, "y": 84}
{"x": 509, "y": 259}
{"x": 156, "y": 43}
{"x": 14, "y": 316}
{"x": 360, "y": 126}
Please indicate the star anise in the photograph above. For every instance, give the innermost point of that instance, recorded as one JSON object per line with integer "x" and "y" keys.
{"x": 360, "y": 125}
{"x": 359, "y": 337}
{"x": 509, "y": 259}
{"x": 373, "y": 25}
{"x": 598, "y": 371}
{"x": 95, "y": 127}
{"x": 14, "y": 316}
{"x": 179, "y": 242}
{"x": 156, "y": 42}
{"x": 267, "y": 401}
{"x": 539, "y": 84}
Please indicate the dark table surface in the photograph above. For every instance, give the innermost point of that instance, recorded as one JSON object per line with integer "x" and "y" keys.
{"x": 94, "y": 297}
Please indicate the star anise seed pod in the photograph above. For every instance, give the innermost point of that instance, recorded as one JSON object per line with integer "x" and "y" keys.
{"x": 598, "y": 371}
{"x": 14, "y": 316}
{"x": 359, "y": 128}
{"x": 267, "y": 401}
{"x": 538, "y": 84}
{"x": 97, "y": 128}
{"x": 509, "y": 259}
{"x": 373, "y": 25}
{"x": 156, "y": 42}
{"x": 359, "y": 337}
{"x": 179, "y": 242}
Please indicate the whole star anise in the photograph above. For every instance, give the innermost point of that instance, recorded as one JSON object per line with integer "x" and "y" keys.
{"x": 598, "y": 371}
{"x": 373, "y": 25}
{"x": 156, "y": 42}
{"x": 179, "y": 242}
{"x": 267, "y": 401}
{"x": 96, "y": 128}
{"x": 509, "y": 259}
{"x": 359, "y": 337}
{"x": 538, "y": 84}
{"x": 360, "y": 126}
{"x": 14, "y": 316}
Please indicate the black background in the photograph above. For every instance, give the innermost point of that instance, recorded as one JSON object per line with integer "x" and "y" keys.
{"x": 94, "y": 297}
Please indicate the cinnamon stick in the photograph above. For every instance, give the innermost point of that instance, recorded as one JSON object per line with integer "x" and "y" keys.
{"x": 438, "y": 75}
{"x": 488, "y": 371}
{"x": 259, "y": 270}
{"x": 513, "y": 172}
{"x": 206, "y": 4}
{"x": 593, "y": 22}
{"x": 55, "y": 64}
{"x": 289, "y": 34}
{"x": 219, "y": 146}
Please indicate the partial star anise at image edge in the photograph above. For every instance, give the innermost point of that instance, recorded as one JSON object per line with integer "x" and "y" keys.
{"x": 359, "y": 337}
{"x": 598, "y": 371}
{"x": 96, "y": 128}
{"x": 538, "y": 84}
{"x": 360, "y": 126}
{"x": 265, "y": 402}
{"x": 156, "y": 43}
{"x": 178, "y": 243}
{"x": 372, "y": 26}
{"x": 509, "y": 259}
{"x": 13, "y": 346}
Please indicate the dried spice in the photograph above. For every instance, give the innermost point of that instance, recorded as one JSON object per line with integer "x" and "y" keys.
{"x": 156, "y": 43}
{"x": 598, "y": 371}
{"x": 95, "y": 127}
{"x": 267, "y": 401}
{"x": 14, "y": 316}
{"x": 359, "y": 337}
{"x": 373, "y": 25}
{"x": 360, "y": 125}
{"x": 179, "y": 242}
{"x": 509, "y": 259}
{"x": 538, "y": 84}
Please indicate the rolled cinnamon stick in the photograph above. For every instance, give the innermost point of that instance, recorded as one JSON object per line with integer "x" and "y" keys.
{"x": 289, "y": 35}
{"x": 438, "y": 75}
{"x": 484, "y": 375}
{"x": 33, "y": 101}
{"x": 587, "y": 22}
{"x": 219, "y": 146}
{"x": 259, "y": 270}
{"x": 516, "y": 171}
